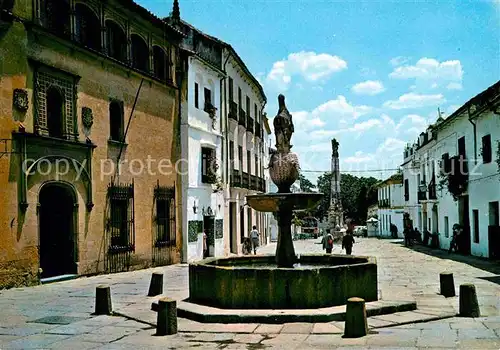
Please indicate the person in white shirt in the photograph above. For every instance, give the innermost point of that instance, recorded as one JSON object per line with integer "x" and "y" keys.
{"x": 254, "y": 235}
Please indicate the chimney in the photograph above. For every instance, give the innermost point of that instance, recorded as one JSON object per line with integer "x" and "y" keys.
{"x": 176, "y": 13}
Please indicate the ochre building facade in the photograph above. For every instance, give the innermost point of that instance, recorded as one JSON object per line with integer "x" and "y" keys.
{"x": 85, "y": 86}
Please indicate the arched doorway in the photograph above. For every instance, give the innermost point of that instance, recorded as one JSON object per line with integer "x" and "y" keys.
{"x": 57, "y": 233}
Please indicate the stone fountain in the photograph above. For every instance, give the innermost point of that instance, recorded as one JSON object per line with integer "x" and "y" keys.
{"x": 284, "y": 170}
{"x": 283, "y": 281}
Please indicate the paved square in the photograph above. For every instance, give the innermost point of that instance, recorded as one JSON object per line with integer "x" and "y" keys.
{"x": 58, "y": 316}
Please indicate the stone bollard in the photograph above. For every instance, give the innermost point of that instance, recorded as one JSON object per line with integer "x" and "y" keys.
{"x": 166, "y": 322}
{"x": 447, "y": 284}
{"x": 469, "y": 307}
{"x": 156, "y": 285}
{"x": 103, "y": 300}
{"x": 356, "y": 324}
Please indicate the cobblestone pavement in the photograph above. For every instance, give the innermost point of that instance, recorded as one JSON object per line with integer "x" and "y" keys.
{"x": 59, "y": 315}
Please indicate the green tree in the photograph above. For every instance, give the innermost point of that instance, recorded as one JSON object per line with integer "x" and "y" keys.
{"x": 356, "y": 194}
{"x": 324, "y": 186}
{"x": 305, "y": 184}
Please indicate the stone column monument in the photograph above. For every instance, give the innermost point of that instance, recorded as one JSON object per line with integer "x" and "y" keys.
{"x": 335, "y": 214}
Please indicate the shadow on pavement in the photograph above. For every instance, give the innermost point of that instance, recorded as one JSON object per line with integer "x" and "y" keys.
{"x": 492, "y": 266}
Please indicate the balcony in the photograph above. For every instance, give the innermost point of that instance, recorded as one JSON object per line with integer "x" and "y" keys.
{"x": 254, "y": 183}
{"x": 422, "y": 195}
{"x": 262, "y": 185}
{"x": 384, "y": 203}
{"x": 250, "y": 123}
{"x": 258, "y": 130}
{"x": 235, "y": 178}
{"x": 432, "y": 191}
{"x": 245, "y": 182}
{"x": 242, "y": 119}
{"x": 233, "y": 111}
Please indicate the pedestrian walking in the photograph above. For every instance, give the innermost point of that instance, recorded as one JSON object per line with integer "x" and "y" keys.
{"x": 254, "y": 235}
{"x": 205, "y": 247}
{"x": 328, "y": 243}
{"x": 454, "y": 239}
{"x": 348, "y": 239}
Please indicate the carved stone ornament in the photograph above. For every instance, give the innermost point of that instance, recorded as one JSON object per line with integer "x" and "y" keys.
{"x": 21, "y": 99}
{"x": 87, "y": 117}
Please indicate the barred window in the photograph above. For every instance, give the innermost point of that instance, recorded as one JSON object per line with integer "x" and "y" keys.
{"x": 55, "y": 112}
{"x": 165, "y": 216}
{"x": 55, "y": 95}
{"x": 121, "y": 218}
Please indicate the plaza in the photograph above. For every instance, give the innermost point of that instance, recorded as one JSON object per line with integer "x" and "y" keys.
{"x": 59, "y": 315}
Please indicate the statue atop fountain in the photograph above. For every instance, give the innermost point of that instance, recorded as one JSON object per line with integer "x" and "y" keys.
{"x": 283, "y": 127}
{"x": 283, "y": 165}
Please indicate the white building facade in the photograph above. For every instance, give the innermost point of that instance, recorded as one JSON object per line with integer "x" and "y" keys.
{"x": 246, "y": 134}
{"x": 441, "y": 190}
{"x": 201, "y": 148}
{"x": 390, "y": 205}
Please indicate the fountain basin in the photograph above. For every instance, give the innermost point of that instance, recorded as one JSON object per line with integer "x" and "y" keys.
{"x": 271, "y": 202}
{"x": 256, "y": 283}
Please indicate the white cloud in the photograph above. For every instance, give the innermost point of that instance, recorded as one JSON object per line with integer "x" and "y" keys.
{"x": 454, "y": 86}
{"x": 399, "y": 60}
{"x": 369, "y": 87}
{"x": 310, "y": 65}
{"x": 431, "y": 72}
{"x": 340, "y": 107}
{"x": 413, "y": 100}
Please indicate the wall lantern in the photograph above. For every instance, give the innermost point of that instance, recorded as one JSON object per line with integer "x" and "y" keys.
{"x": 422, "y": 187}
{"x": 195, "y": 208}
{"x": 207, "y": 212}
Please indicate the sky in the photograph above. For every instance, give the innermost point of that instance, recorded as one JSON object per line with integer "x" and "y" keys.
{"x": 372, "y": 74}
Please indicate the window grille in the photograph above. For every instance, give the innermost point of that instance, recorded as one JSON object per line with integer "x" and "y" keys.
{"x": 164, "y": 239}
{"x": 165, "y": 216}
{"x": 46, "y": 81}
{"x": 121, "y": 225}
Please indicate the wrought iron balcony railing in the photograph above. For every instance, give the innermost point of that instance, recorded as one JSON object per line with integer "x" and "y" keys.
{"x": 233, "y": 111}
{"x": 250, "y": 123}
{"x": 242, "y": 119}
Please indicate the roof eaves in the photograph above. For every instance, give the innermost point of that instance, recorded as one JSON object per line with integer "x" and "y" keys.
{"x": 247, "y": 71}
{"x": 485, "y": 94}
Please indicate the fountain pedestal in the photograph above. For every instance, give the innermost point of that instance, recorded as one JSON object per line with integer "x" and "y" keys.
{"x": 285, "y": 252}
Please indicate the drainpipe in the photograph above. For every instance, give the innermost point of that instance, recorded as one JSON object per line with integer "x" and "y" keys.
{"x": 475, "y": 136}
{"x": 226, "y": 123}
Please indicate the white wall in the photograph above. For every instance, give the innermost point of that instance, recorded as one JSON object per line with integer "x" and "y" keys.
{"x": 484, "y": 182}
{"x": 483, "y": 186}
{"x": 249, "y": 142}
{"x": 201, "y": 133}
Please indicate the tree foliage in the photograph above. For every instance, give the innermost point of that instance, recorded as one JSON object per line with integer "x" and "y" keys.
{"x": 305, "y": 184}
{"x": 356, "y": 194}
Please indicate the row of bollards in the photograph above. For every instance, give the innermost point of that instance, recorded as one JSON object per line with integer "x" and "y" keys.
{"x": 468, "y": 304}
{"x": 166, "y": 307}
{"x": 356, "y": 324}
{"x": 356, "y": 321}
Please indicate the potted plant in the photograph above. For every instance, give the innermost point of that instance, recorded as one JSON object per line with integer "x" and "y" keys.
{"x": 211, "y": 110}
